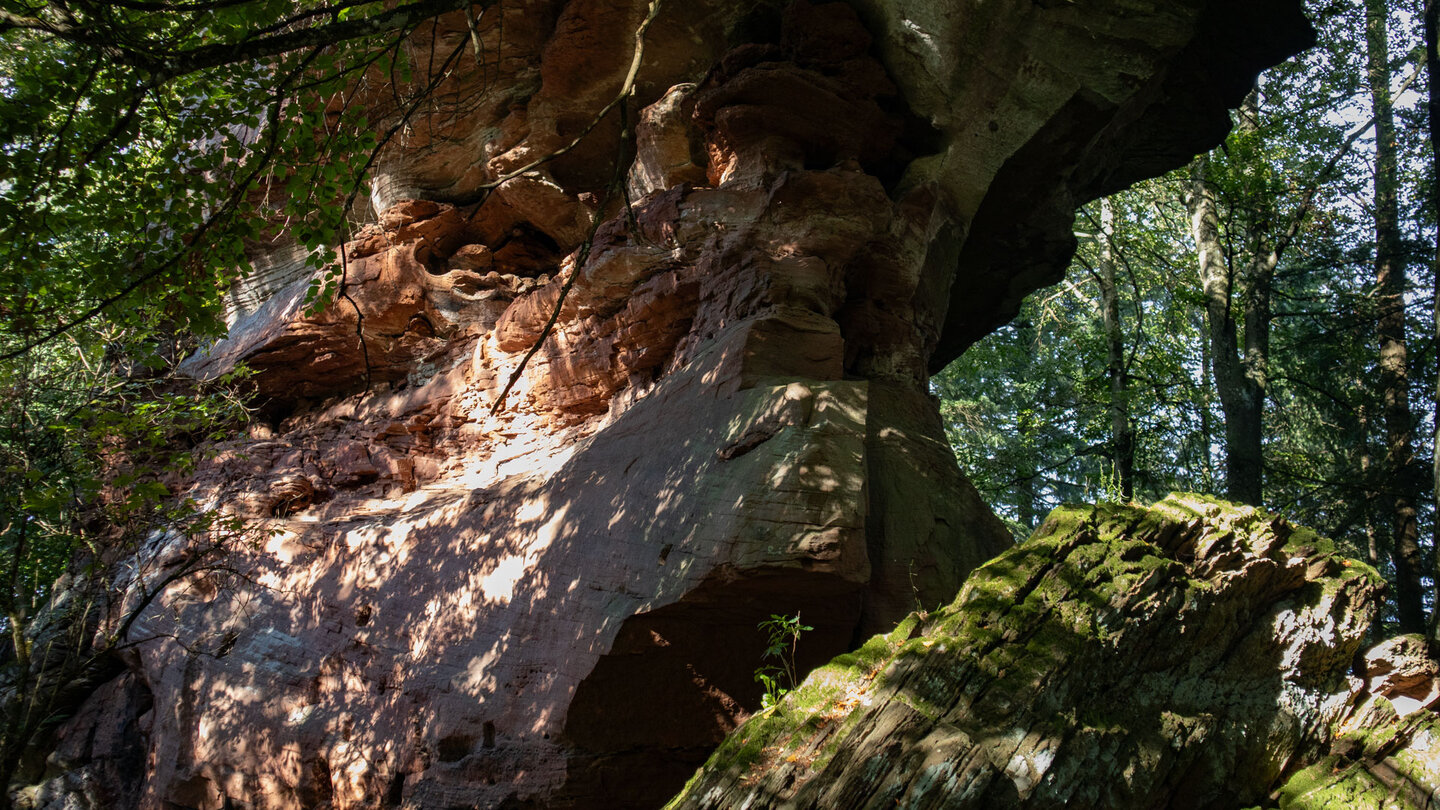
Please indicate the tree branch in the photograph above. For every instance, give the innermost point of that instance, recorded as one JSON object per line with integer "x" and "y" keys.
{"x": 626, "y": 89}
{"x": 168, "y": 65}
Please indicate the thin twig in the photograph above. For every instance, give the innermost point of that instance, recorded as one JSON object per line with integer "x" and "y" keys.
{"x": 617, "y": 180}
{"x": 435, "y": 80}
{"x": 626, "y": 89}
{"x": 580, "y": 258}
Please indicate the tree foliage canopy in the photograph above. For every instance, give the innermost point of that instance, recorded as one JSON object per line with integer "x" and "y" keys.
{"x": 143, "y": 143}
{"x": 1294, "y": 185}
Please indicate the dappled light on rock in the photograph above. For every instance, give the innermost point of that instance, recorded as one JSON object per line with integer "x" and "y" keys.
{"x": 1384, "y": 751}
{"x": 495, "y": 587}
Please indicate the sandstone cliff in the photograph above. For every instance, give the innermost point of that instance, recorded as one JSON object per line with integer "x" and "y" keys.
{"x": 552, "y": 602}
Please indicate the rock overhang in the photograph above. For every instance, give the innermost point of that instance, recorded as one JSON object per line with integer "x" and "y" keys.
{"x": 729, "y": 414}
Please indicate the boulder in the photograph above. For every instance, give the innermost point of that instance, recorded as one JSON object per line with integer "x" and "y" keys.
{"x": 1384, "y": 752}
{"x": 1184, "y": 654}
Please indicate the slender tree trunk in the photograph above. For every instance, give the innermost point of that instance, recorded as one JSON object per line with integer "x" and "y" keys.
{"x": 1254, "y": 295}
{"x": 1242, "y": 394}
{"x": 1207, "y": 430}
{"x": 1028, "y": 497}
{"x": 1366, "y": 463}
{"x": 1390, "y": 286}
{"x": 1255, "y": 363}
{"x": 1432, "y": 69}
{"x": 1027, "y": 501}
{"x": 1122, "y": 435}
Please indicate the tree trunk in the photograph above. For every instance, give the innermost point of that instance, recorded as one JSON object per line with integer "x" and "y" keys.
{"x": 1027, "y": 500}
{"x": 1432, "y": 69}
{"x": 1366, "y": 464}
{"x": 1028, "y": 496}
{"x": 1390, "y": 324}
{"x": 1207, "y": 429}
{"x": 1122, "y": 435}
{"x": 1239, "y": 381}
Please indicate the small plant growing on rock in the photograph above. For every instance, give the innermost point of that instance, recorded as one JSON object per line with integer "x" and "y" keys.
{"x": 777, "y": 670}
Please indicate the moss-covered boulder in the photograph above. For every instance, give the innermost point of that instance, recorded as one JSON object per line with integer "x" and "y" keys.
{"x": 1182, "y": 655}
{"x": 1384, "y": 753}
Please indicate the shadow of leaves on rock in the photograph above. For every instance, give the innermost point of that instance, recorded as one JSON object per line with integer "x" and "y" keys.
{"x": 543, "y": 635}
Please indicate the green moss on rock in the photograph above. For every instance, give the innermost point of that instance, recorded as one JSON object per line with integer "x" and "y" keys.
{"x": 1378, "y": 761}
{"x": 1120, "y": 652}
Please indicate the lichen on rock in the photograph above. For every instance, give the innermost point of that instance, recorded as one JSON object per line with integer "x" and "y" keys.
{"x": 1180, "y": 655}
{"x": 1384, "y": 752}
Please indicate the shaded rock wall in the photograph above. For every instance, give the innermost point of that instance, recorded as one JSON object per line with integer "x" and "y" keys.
{"x": 555, "y": 604}
{"x": 1184, "y": 655}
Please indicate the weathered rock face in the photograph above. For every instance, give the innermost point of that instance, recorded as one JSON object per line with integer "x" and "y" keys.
{"x": 1182, "y": 655}
{"x": 1384, "y": 752}
{"x": 555, "y": 604}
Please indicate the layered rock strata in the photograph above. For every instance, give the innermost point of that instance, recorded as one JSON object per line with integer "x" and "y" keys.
{"x": 1182, "y": 655}
{"x": 551, "y": 600}
{"x": 1385, "y": 751}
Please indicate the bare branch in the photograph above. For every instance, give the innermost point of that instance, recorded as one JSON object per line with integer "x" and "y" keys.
{"x": 626, "y": 89}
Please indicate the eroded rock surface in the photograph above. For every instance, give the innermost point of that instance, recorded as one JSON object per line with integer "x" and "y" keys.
{"x": 1181, "y": 655}
{"x": 553, "y": 603}
{"x": 1385, "y": 751}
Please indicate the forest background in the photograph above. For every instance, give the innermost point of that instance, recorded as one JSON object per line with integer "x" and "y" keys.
{"x": 1260, "y": 324}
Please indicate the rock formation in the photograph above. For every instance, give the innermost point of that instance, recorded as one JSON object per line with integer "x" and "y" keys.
{"x": 1184, "y": 655}
{"x": 1385, "y": 750}
{"x": 551, "y": 600}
